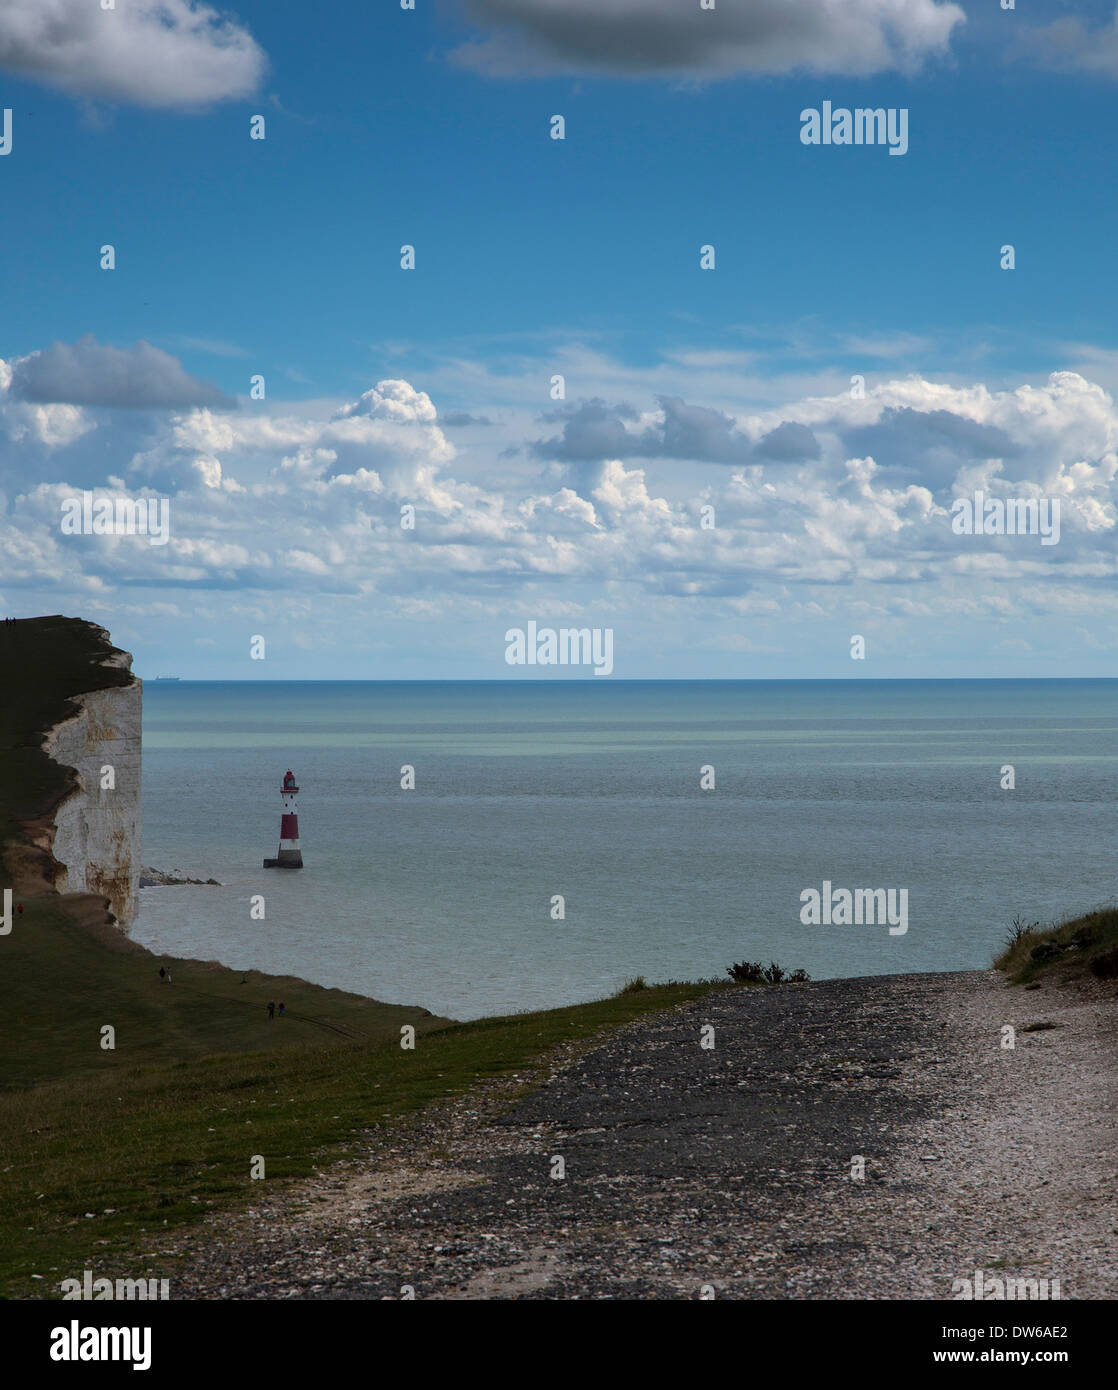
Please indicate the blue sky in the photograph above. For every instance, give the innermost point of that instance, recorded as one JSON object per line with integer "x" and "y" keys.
{"x": 386, "y": 387}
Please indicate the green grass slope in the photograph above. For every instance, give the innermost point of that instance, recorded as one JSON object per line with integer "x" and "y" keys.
{"x": 65, "y": 974}
{"x": 1078, "y": 946}
{"x": 105, "y": 1150}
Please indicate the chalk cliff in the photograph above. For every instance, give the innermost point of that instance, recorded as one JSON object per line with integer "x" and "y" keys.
{"x": 97, "y": 828}
{"x": 72, "y": 764}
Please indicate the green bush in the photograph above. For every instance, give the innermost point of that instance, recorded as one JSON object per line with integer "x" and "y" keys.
{"x": 747, "y": 972}
{"x": 635, "y": 986}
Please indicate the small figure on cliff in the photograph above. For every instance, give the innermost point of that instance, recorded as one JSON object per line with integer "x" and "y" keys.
{"x": 162, "y": 973}
{"x": 282, "y": 1008}
{"x": 271, "y": 1008}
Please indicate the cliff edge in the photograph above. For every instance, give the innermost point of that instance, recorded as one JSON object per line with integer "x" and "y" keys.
{"x": 70, "y": 762}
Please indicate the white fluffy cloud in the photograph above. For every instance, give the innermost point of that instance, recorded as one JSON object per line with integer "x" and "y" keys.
{"x": 154, "y": 53}
{"x": 638, "y": 37}
{"x": 309, "y": 504}
{"x": 395, "y": 401}
{"x": 52, "y": 426}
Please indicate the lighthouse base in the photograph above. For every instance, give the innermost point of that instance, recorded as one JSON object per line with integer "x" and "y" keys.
{"x": 288, "y": 859}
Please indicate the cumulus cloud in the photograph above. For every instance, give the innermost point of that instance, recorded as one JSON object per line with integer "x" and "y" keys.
{"x": 394, "y": 428}
{"x": 52, "y": 426}
{"x": 593, "y": 431}
{"x": 564, "y": 511}
{"x": 620, "y": 490}
{"x": 388, "y": 440}
{"x": 935, "y": 444}
{"x": 641, "y": 37}
{"x": 962, "y": 436}
{"x": 396, "y": 401}
{"x": 788, "y": 443}
{"x": 154, "y": 53}
{"x": 695, "y": 432}
{"x": 310, "y": 504}
{"x": 90, "y": 373}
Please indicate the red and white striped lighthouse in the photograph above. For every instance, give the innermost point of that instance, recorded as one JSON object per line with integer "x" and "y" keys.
{"x": 290, "y": 856}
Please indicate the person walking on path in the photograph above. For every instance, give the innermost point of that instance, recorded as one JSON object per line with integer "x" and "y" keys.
{"x": 271, "y": 1008}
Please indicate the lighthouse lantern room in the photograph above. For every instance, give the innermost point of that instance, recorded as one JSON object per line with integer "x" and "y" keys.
{"x": 290, "y": 856}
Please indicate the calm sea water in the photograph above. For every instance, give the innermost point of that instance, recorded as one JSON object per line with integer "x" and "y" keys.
{"x": 441, "y": 896}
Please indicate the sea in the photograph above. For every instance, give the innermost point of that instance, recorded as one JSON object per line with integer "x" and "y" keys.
{"x": 559, "y": 839}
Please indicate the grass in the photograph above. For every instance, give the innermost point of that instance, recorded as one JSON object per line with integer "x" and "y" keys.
{"x": 64, "y": 975}
{"x": 104, "y": 1151}
{"x": 1077, "y": 946}
{"x": 637, "y": 985}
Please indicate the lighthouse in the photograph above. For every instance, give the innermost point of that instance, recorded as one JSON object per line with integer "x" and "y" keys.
{"x": 290, "y": 856}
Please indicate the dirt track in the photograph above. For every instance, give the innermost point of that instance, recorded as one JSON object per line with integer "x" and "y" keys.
{"x": 726, "y": 1172}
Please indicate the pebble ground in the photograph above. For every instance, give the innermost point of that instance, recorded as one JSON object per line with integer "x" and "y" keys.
{"x": 730, "y": 1171}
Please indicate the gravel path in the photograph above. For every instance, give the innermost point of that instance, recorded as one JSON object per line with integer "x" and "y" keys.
{"x": 726, "y": 1172}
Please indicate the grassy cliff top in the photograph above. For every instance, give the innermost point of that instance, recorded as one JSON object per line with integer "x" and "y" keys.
{"x": 67, "y": 973}
{"x": 1077, "y": 946}
{"x": 109, "y": 1149}
{"x": 48, "y": 661}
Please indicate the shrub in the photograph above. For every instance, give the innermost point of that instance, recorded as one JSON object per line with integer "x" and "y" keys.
{"x": 1075, "y": 944}
{"x": 1019, "y": 929}
{"x": 747, "y": 972}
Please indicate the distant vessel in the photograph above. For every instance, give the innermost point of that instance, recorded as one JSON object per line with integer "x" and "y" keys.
{"x": 168, "y": 678}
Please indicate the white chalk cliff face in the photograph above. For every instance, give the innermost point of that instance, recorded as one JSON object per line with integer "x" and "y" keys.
{"x": 97, "y": 829}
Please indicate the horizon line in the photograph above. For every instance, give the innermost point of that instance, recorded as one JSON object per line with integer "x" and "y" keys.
{"x": 588, "y": 680}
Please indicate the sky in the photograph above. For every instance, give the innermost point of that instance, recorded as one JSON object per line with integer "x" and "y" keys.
{"x": 743, "y": 466}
